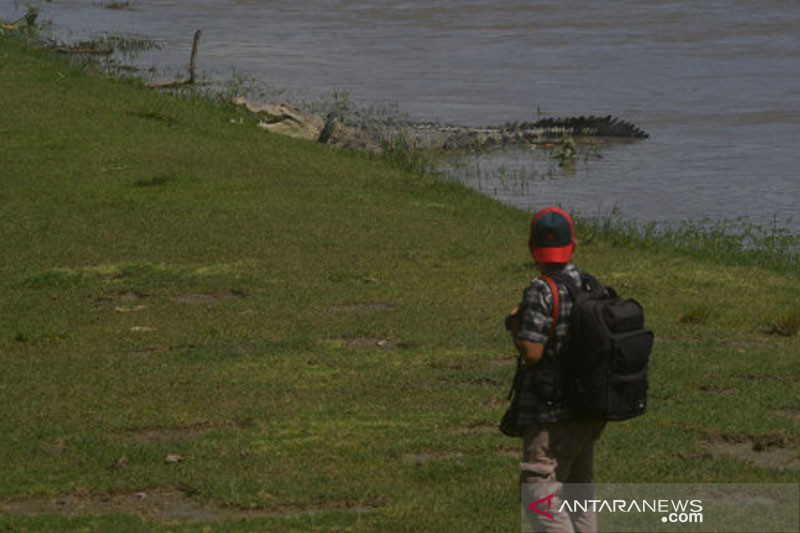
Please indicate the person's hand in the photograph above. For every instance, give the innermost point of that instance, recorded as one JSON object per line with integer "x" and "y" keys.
{"x": 512, "y": 320}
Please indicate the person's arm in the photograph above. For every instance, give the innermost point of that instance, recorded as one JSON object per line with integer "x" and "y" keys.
{"x": 531, "y": 322}
{"x": 530, "y": 351}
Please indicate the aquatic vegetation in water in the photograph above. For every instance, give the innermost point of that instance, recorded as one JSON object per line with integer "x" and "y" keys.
{"x": 129, "y": 46}
{"x": 510, "y": 173}
{"x": 27, "y": 22}
{"x": 404, "y": 156}
{"x": 566, "y": 152}
{"x": 354, "y": 113}
{"x": 115, "y": 5}
{"x": 31, "y": 16}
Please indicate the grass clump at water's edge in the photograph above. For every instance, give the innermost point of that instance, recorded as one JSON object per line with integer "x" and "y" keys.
{"x": 316, "y": 335}
{"x": 737, "y": 242}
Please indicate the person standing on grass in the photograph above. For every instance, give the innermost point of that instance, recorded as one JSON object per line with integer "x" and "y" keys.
{"x": 558, "y": 445}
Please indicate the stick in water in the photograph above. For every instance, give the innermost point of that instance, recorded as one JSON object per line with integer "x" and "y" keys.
{"x": 194, "y": 56}
{"x": 181, "y": 83}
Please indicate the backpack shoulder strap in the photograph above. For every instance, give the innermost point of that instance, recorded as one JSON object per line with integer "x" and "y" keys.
{"x": 567, "y": 280}
{"x": 556, "y": 303}
{"x": 589, "y": 285}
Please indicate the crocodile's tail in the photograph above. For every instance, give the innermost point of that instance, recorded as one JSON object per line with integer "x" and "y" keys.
{"x": 591, "y": 126}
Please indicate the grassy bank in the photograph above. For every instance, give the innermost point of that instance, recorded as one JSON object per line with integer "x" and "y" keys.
{"x": 205, "y": 326}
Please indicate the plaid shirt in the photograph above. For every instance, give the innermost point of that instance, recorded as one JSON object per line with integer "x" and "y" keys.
{"x": 536, "y": 321}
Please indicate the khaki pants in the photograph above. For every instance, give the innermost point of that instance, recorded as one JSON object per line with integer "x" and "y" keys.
{"x": 554, "y": 454}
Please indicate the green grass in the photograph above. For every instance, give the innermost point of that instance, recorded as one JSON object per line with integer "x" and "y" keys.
{"x": 737, "y": 241}
{"x": 178, "y": 283}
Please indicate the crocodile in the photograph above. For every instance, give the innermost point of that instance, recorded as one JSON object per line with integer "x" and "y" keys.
{"x": 289, "y": 120}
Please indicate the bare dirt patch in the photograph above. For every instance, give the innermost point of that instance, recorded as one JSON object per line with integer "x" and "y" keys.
{"x": 514, "y": 453}
{"x": 229, "y": 349}
{"x": 160, "y": 349}
{"x": 788, "y": 380}
{"x": 497, "y": 402}
{"x": 156, "y": 435}
{"x": 722, "y": 391}
{"x": 791, "y": 414}
{"x": 473, "y": 380}
{"x": 370, "y": 343}
{"x": 476, "y": 429}
{"x": 722, "y": 340}
{"x": 57, "y": 447}
{"x": 155, "y": 181}
{"x": 426, "y": 457}
{"x": 121, "y": 296}
{"x": 166, "y": 505}
{"x": 130, "y": 309}
{"x": 421, "y": 458}
{"x": 360, "y": 307}
{"x": 207, "y": 298}
{"x": 163, "y": 505}
{"x": 299, "y": 510}
{"x": 775, "y": 453}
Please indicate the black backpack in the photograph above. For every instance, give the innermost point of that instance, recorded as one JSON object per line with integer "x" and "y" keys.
{"x": 606, "y": 355}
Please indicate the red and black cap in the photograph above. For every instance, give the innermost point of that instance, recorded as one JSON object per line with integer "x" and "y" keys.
{"x": 552, "y": 237}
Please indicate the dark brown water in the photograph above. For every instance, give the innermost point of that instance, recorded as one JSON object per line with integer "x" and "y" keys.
{"x": 715, "y": 83}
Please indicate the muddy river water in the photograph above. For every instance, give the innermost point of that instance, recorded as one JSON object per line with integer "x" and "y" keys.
{"x": 714, "y": 83}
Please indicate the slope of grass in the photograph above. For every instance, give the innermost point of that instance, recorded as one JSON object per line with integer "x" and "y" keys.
{"x": 315, "y": 334}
